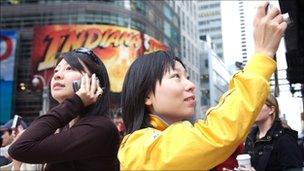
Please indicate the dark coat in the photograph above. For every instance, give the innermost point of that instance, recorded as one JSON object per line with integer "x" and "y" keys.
{"x": 91, "y": 144}
{"x": 278, "y": 150}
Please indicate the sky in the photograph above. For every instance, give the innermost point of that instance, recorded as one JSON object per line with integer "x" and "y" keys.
{"x": 290, "y": 107}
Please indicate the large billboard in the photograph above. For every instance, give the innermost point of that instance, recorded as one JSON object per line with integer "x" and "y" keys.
{"x": 116, "y": 46}
{"x": 8, "y": 39}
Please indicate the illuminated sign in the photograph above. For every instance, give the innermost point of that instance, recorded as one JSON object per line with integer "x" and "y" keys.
{"x": 116, "y": 46}
{"x": 8, "y": 39}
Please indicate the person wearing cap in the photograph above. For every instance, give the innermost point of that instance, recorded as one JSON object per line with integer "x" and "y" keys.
{"x": 7, "y": 136}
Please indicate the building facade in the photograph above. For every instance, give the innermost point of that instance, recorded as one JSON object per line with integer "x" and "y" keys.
{"x": 210, "y": 23}
{"x": 187, "y": 12}
{"x": 154, "y": 18}
{"x": 237, "y": 27}
{"x": 214, "y": 75}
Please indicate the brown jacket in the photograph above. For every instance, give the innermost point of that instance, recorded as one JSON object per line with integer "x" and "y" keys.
{"x": 91, "y": 144}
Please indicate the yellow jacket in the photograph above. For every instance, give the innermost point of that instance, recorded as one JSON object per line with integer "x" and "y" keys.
{"x": 183, "y": 146}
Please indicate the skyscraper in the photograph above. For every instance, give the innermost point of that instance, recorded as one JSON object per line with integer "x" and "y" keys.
{"x": 210, "y": 23}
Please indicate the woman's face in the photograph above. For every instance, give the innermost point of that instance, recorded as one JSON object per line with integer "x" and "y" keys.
{"x": 62, "y": 80}
{"x": 174, "y": 99}
{"x": 265, "y": 113}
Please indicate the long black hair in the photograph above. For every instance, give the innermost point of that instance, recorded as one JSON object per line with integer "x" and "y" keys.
{"x": 141, "y": 80}
{"x": 94, "y": 65}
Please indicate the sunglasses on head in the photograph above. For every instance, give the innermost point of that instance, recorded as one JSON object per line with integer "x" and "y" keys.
{"x": 88, "y": 52}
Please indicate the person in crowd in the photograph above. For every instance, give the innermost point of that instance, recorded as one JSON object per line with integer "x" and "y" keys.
{"x": 7, "y": 136}
{"x": 88, "y": 139}
{"x": 272, "y": 144}
{"x": 118, "y": 121}
{"x": 17, "y": 165}
{"x": 157, "y": 97}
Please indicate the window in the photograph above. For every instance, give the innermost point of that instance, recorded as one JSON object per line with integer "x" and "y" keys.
{"x": 206, "y": 63}
{"x": 202, "y": 22}
{"x": 183, "y": 20}
{"x": 219, "y": 46}
{"x": 210, "y": 13}
{"x": 168, "y": 12}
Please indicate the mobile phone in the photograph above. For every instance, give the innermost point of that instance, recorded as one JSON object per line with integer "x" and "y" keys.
{"x": 76, "y": 85}
{"x": 16, "y": 121}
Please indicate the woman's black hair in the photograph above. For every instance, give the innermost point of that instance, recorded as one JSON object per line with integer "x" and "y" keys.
{"x": 141, "y": 80}
{"x": 94, "y": 65}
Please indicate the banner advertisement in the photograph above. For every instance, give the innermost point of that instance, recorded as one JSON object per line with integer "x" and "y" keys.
{"x": 8, "y": 40}
{"x": 116, "y": 46}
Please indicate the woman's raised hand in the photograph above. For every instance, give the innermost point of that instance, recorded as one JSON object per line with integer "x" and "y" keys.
{"x": 89, "y": 89}
{"x": 268, "y": 30}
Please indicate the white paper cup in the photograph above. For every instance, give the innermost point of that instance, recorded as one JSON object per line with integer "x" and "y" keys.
{"x": 244, "y": 161}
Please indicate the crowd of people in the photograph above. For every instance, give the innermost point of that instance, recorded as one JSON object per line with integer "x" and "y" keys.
{"x": 7, "y": 137}
{"x": 152, "y": 131}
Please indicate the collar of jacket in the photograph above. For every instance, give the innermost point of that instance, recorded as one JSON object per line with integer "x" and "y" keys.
{"x": 269, "y": 135}
{"x": 275, "y": 131}
{"x": 252, "y": 134}
{"x": 158, "y": 123}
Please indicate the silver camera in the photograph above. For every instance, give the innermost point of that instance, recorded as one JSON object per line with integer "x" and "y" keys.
{"x": 286, "y": 17}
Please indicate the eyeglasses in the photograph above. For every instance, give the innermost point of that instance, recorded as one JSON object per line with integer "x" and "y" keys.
{"x": 89, "y": 52}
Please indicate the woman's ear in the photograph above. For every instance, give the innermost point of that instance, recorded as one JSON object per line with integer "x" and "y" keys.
{"x": 272, "y": 110}
{"x": 148, "y": 101}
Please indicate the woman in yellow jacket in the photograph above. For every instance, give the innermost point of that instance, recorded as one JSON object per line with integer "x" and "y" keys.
{"x": 158, "y": 96}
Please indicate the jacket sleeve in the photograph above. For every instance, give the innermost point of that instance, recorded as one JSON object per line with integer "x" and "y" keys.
{"x": 211, "y": 141}
{"x": 289, "y": 154}
{"x": 39, "y": 144}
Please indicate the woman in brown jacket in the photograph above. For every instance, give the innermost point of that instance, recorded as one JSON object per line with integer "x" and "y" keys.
{"x": 88, "y": 139}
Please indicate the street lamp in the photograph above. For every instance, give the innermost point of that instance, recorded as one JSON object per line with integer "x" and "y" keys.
{"x": 45, "y": 93}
